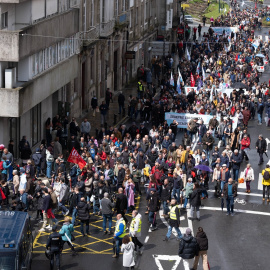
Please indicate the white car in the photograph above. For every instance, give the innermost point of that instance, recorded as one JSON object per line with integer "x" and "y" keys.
{"x": 188, "y": 19}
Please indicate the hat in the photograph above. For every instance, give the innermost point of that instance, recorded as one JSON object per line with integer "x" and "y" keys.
{"x": 224, "y": 165}
{"x": 37, "y": 150}
{"x": 22, "y": 170}
{"x": 188, "y": 231}
{"x": 2, "y": 146}
{"x": 153, "y": 189}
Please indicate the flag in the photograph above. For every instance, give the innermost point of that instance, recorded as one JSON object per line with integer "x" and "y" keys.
{"x": 242, "y": 3}
{"x": 209, "y": 46}
{"x": 255, "y": 44}
{"x": 171, "y": 80}
{"x": 203, "y": 74}
{"x": 74, "y": 157}
{"x": 178, "y": 86}
{"x": 188, "y": 55}
{"x": 211, "y": 94}
{"x": 198, "y": 67}
{"x": 225, "y": 48}
{"x": 192, "y": 81}
{"x": 181, "y": 78}
{"x": 225, "y": 10}
{"x": 229, "y": 39}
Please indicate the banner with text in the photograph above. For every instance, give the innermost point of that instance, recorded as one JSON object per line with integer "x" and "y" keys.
{"x": 189, "y": 89}
{"x": 219, "y": 30}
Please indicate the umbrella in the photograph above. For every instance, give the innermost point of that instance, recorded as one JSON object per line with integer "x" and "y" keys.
{"x": 203, "y": 168}
{"x": 222, "y": 203}
{"x": 239, "y": 85}
{"x": 260, "y": 55}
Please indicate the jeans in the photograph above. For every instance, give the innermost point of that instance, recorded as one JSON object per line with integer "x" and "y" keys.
{"x": 230, "y": 204}
{"x": 235, "y": 174}
{"x": 185, "y": 203}
{"x": 191, "y": 134}
{"x": 62, "y": 206}
{"x": 152, "y": 218}
{"x": 74, "y": 215}
{"x": 38, "y": 171}
{"x": 49, "y": 169}
{"x": 222, "y": 183}
{"x": 95, "y": 207}
{"x": 168, "y": 235}
{"x": 176, "y": 191}
{"x": 86, "y": 222}
{"x": 260, "y": 118}
{"x": 121, "y": 107}
{"x": 55, "y": 254}
{"x": 267, "y": 188}
{"x": 165, "y": 207}
{"x": 105, "y": 218}
{"x": 116, "y": 246}
{"x": 103, "y": 118}
{"x": 261, "y": 157}
{"x": 192, "y": 208}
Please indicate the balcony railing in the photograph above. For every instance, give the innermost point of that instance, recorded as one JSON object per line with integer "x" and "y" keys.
{"x": 90, "y": 35}
{"x": 106, "y": 28}
{"x": 9, "y": 44}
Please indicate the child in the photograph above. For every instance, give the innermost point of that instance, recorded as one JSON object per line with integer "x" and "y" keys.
{"x": 128, "y": 252}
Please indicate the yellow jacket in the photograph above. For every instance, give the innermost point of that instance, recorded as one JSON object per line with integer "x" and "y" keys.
{"x": 266, "y": 182}
{"x": 184, "y": 155}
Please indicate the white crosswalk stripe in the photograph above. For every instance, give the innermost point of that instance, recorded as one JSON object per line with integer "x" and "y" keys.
{"x": 260, "y": 186}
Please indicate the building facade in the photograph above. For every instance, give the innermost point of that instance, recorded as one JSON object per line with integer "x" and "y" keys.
{"x": 57, "y": 54}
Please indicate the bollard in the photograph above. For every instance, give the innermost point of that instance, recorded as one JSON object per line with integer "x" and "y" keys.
{"x": 114, "y": 119}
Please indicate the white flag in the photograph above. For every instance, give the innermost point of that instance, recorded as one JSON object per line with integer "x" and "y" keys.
{"x": 242, "y": 3}
{"x": 171, "y": 80}
{"x": 188, "y": 55}
{"x": 203, "y": 74}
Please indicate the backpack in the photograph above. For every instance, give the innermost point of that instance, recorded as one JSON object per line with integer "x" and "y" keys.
{"x": 266, "y": 175}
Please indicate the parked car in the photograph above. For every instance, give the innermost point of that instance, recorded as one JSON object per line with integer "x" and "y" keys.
{"x": 188, "y": 19}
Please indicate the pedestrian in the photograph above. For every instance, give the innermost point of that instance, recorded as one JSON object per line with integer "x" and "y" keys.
{"x": 66, "y": 233}
{"x": 108, "y": 97}
{"x": 174, "y": 221}
{"x": 37, "y": 157}
{"x": 83, "y": 215}
{"x": 248, "y": 176}
{"x": 107, "y": 212}
{"x": 188, "y": 249}
{"x": 63, "y": 197}
{"x": 47, "y": 211}
{"x": 128, "y": 253}
{"x": 121, "y": 102}
{"x": 153, "y": 207}
{"x": 94, "y": 104}
{"x": 261, "y": 148}
{"x": 85, "y": 128}
{"x": 195, "y": 201}
{"x": 260, "y": 109}
{"x": 103, "y": 113}
{"x": 202, "y": 241}
{"x": 266, "y": 182}
{"x": 236, "y": 163}
{"x": 120, "y": 232}
{"x": 121, "y": 203}
{"x": 188, "y": 191}
{"x": 230, "y": 192}
{"x": 55, "y": 245}
{"x": 135, "y": 230}
{"x": 166, "y": 196}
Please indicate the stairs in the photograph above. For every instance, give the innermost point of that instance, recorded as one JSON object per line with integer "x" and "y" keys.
{"x": 196, "y": 8}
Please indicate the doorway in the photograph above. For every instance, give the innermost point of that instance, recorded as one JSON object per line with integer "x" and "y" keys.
{"x": 115, "y": 69}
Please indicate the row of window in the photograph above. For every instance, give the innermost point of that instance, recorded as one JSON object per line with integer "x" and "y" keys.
{"x": 54, "y": 54}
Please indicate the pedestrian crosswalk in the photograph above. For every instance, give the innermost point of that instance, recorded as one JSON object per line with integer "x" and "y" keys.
{"x": 259, "y": 187}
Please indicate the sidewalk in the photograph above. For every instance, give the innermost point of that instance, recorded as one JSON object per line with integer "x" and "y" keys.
{"x": 113, "y": 110}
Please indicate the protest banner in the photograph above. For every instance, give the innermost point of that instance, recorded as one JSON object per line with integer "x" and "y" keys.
{"x": 189, "y": 88}
{"x": 219, "y": 30}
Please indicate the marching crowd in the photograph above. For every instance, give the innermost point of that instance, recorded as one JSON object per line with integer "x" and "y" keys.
{"x": 122, "y": 162}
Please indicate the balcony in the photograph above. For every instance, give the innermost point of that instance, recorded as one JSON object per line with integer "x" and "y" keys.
{"x": 9, "y": 44}
{"x": 123, "y": 18}
{"x": 11, "y": 1}
{"x": 90, "y": 36}
{"x": 106, "y": 28}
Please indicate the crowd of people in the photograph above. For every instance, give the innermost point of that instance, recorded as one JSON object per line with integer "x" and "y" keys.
{"x": 123, "y": 162}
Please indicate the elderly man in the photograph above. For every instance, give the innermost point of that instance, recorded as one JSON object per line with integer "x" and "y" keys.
{"x": 236, "y": 163}
{"x": 230, "y": 192}
{"x": 135, "y": 229}
{"x": 107, "y": 212}
{"x": 261, "y": 147}
{"x": 120, "y": 232}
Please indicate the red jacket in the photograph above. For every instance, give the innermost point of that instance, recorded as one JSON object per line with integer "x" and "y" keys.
{"x": 245, "y": 143}
{"x": 102, "y": 156}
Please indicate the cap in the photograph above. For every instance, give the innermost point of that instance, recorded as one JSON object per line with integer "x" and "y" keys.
{"x": 37, "y": 150}
{"x": 188, "y": 231}
{"x": 224, "y": 165}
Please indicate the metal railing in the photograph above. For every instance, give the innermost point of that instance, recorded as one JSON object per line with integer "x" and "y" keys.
{"x": 106, "y": 28}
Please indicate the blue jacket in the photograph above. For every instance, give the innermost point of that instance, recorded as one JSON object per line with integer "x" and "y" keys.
{"x": 24, "y": 200}
{"x": 224, "y": 160}
{"x": 237, "y": 163}
{"x": 6, "y": 165}
{"x": 67, "y": 229}
{"x": 166, "y": 143}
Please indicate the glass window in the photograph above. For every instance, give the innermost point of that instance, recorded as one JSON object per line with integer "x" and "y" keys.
{"x": 63, "y": 50}
{"x": 40, "y": 56}
{"x": 36, "y": 124}
{"x": 33, "y": 65}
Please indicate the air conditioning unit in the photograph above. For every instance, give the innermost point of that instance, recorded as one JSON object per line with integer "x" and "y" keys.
{"x": 10, "y": 78}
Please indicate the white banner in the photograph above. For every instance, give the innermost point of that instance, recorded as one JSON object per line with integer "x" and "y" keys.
{"x": 228, "y": 30}
{"x": 184, "y": 118}
{"x": 189, "y": 88}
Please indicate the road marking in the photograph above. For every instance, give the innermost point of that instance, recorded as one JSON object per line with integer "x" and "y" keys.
{"x": 236, "y": 210}
{"x": 260, "y": 185}
{"x": 146, "y": 239}
{"x": 241, "y": 193}
{"x": 159, "y": 258}
{"x": 195, "y": 144}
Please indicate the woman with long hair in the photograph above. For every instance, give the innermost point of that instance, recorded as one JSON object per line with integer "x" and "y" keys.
{"x": 128, "y": 248}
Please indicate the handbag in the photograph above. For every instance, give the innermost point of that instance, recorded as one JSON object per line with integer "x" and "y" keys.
{"x": 92, "y": 198}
